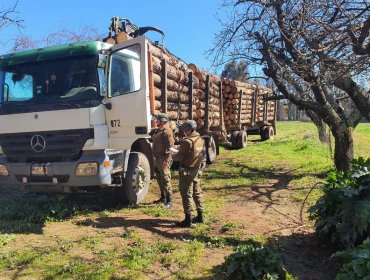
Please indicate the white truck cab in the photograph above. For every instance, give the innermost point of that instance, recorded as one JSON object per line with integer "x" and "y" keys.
{"x": 75, "y": 117}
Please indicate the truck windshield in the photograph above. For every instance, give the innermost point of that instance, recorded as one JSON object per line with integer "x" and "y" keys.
{"x": 49, "y": 81}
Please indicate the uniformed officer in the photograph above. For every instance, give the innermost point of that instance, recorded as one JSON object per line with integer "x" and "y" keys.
{"x": 191, "y": 156}
{"x": 163, "y": 140}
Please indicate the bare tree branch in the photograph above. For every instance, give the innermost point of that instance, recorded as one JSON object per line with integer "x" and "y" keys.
{"x": 8, "y": 17}
{"x": 304, "y": 46}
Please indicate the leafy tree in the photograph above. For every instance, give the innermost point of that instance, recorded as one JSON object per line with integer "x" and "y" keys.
{"x": 305, "y": 45}
{"x": 236, "y": 71}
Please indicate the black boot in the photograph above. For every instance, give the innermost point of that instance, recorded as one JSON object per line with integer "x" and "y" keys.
{"x": 168, "y": 203}
{"x": 162, "y": 199}
{"x": 185, "y": 223}
{"x": 199, "y": 218}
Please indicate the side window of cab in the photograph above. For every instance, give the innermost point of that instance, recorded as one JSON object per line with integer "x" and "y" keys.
{"x": 124, "y": 72}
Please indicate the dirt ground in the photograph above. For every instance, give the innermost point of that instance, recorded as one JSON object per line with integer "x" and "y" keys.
{"x": 269, "y": 210}
{"x": 266, "y": 211}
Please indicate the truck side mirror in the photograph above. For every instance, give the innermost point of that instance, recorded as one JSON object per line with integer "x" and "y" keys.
{"x": 102, "y": 82}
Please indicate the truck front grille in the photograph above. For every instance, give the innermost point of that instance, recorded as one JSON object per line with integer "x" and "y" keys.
{"x": 45, "y": 146}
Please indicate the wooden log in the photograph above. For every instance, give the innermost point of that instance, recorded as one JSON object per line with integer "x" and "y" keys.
{"x": 200, "y": 104}
{"x": 174, "y": 97}
{"x": 157, "y": 92}
{"x": 173, "y": 73}
{"x": 157, "y": 79}
{"x": 214, "y": 100}
{"x": 175, "y": 106}
{"x": 199, "y": 113}
{"x": 157, "y": 105}
{"x": 199, "y": 73}
{"x": 225, "y": 81}
{"x": 215, "y": 79}
{"x": 174, "y": 86}
{"x": 214, "y": 115}
{"x": 199, "y": 93}
{"x": 181, "y": 115}
{"x": 162, "y": 54}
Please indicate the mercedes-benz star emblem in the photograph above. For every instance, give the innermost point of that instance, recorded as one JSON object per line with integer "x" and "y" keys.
{"x": 38, "y": 143}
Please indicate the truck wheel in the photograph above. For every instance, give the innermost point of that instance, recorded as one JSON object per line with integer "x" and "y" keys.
{"x": 262, "y": 133}
{"x": 242, "y": 140}
{"x": 211, "y": 149}
{"x": 137, "y": 181}
{"x": 268, "y": 133}
{"x": 234, "y": 139}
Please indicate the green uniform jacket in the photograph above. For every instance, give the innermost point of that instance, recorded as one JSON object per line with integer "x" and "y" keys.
{"x": 163, "y": 140}
{"x": 191, "y": 152}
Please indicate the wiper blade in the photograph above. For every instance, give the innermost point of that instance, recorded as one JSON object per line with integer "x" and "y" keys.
{"x": 68, "y": 105}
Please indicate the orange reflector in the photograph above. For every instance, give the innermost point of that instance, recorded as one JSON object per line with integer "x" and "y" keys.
{"x": 106, "y": 163}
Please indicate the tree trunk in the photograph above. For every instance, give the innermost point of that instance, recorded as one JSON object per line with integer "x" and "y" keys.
{"x": 358, "y": 94}
{"x": 343, "y": 151}
{"x": 320, "y": 125}
{"x": 321, "y": 129}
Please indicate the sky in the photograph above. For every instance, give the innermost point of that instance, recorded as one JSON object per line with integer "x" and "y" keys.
{"x": 189, "y": 25}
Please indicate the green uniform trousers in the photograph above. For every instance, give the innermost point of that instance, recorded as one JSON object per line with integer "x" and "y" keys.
{"x": 189, "y": 185}
{"x": 163, "y": 175}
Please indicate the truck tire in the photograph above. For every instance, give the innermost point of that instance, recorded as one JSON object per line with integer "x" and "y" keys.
{"x": 234, "y": 139}
{"x": 211, "y": 149}
{"x": 241, "y": 141}
{"x": 262, "y": 133}
{"x": 137, "y": 180}
{"x": 267, "y": 133}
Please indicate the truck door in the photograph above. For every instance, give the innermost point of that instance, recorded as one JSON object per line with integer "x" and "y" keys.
{"x": 129, "y": 116}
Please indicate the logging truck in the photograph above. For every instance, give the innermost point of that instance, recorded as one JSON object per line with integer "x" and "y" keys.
{"x": 77, "y": 117}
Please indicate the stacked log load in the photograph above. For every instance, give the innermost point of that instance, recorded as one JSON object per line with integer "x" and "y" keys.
{"x": 238, "y": 102}
{"x": 237, "y": 98}
{"x": 262, "y": 92}
{"x": 178, "y": 93}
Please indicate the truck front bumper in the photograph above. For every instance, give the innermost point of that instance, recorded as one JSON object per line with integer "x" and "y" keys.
{"x": 59, "y": 173}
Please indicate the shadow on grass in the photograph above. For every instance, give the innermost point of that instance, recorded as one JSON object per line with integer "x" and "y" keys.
{"x": 280, "y": 178}
{"x": 261, "y": 181}
{"x": 303, "y": 256}
{"x": 306, "y": 256}
{"x": 228, "y": 146}
{"x": 22, "y": 212}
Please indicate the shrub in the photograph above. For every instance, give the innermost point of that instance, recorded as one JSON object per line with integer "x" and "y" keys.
{"x": 343, "y": 213}
{"x": 254, "y": 262}
{"x": 356, "y": 263}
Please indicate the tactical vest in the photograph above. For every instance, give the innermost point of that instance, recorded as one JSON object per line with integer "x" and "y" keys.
{"x": 197, "y": 152}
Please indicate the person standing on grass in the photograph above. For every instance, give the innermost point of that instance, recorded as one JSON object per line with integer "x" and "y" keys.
{"x": 163, "y": 140}
{"x": 191, "y": 155}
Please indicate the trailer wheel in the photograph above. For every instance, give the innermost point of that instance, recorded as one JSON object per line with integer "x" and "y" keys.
{"x": 137, "y": 181}
{"x": 234, "y": 139}
{"x": 211, "y": 149}
{"x": 242, "y": 140}
{"x": 267, "y": 133}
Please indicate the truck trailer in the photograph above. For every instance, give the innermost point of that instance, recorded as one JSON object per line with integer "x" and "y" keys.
{"x": 77, "y": 117}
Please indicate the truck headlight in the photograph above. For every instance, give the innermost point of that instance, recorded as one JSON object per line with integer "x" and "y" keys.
{"x": 87, "y": 169}
{"x": 3, "y": 170}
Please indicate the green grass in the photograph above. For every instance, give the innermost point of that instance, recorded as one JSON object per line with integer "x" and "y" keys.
{"x": 295, "y": 159}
